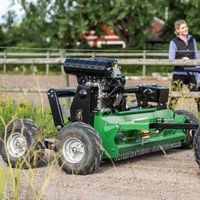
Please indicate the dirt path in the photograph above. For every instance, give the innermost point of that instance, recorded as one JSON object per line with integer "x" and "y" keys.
{"x": 153, "y": 176}
{"x": 47, "y": 82}
{"x": 174, "y": 176}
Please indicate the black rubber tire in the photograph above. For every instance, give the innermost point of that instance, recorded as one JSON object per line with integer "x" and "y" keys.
{"x": 196, "y": 144}
{"x": 35, "y": 147}
{"x": 92, "y": 148}
{"x": 190, "y": 133}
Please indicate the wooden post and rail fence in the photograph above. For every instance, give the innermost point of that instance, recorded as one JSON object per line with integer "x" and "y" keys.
{"x": 143, "y": 59}
{"x": 50, "y": 57}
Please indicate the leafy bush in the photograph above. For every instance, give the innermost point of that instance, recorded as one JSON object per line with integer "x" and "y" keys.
{"x": 21, "y": 108}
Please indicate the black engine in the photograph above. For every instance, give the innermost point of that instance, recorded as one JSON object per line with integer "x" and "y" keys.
{"x": 102, "y": 76}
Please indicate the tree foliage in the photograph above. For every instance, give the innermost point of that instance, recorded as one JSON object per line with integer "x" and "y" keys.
{"x": 132, "y": 19}
{"x": 64, "y": 23}
{"x": 183, "y": 9}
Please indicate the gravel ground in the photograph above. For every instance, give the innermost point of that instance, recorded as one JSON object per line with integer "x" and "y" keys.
{"x": 174, "y": 175}
{"x": 171, "y": 176}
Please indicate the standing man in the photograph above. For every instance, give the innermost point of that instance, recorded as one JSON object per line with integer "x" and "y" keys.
{"x": 183, "y": 46}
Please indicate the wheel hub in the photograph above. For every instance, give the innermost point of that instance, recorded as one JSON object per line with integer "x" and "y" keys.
{"x": 16, "y": 145}
{"x": 73, "y": 150}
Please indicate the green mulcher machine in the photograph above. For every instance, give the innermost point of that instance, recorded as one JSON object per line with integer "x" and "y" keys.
{"x": 101, "y": 124}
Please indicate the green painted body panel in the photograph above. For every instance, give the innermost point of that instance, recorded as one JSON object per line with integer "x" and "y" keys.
{"x": 129, "y": 130}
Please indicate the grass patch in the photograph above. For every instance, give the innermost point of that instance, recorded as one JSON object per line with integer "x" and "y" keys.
{"x": 17, "y": 183}
{"x": 21, "y": 108}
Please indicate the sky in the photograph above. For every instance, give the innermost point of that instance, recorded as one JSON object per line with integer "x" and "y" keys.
{"x": 5, "y": 5}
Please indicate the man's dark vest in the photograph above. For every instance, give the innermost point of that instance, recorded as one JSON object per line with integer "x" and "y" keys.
{"x": 184, "y": 50}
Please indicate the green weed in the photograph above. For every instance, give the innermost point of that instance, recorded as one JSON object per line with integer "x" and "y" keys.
{"x": 21, "y": 108}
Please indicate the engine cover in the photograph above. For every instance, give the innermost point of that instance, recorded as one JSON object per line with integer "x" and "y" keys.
{"x": 92, "y": 67}
{"x": 102, "y": 73}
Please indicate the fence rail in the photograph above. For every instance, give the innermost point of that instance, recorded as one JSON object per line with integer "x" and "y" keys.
{"x": 141, "y": 58}
{"x": 120, "y": 61}
{"x": 32, "y": 90}
{"x": 84, "y": 54}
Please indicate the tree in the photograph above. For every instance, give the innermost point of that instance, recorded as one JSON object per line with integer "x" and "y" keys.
{"x": 60, "y": 23}
{"x": 131, "y": 20}
{"x": 72, "y": 19}
{"x": 2, "y": 38}
{"x": 9, "y": 30}
{"x": 183, "y": 9}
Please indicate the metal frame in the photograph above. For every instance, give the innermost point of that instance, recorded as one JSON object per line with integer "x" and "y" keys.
{"x": 53, "y": 96}
{"x": 159, "y": 125}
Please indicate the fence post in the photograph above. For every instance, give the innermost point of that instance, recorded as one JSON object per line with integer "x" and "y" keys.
{"x": 4, "y": 65}
{"x": 65, "y": 76}
{"x": 93, "y": 54}
{"x": 144, "y": 66}
{"x": 62, "y": 55}
{"x": 47, "y": 65}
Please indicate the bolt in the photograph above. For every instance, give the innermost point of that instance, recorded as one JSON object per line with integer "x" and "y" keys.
{"x": 74, "y": 149}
